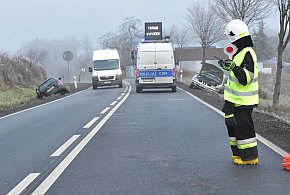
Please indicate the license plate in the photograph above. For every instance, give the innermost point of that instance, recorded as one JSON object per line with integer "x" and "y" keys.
{"x": 147, "y": 80}
{"x": 107, "y": 82}
{"x": 50, "y": 89}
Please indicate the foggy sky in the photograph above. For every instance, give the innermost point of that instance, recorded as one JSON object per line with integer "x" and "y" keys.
{"x": 24, "y": 20}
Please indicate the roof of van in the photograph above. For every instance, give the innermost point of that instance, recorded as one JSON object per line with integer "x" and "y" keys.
{"x": 158, "y": 46}
{"x": 106, "y": 54}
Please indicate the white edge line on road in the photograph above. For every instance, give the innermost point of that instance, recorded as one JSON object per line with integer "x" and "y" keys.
{"x": 45, "y": 185}
{"x": 40, "y": 105}
{"x": 119, "y": 97}
{"x": 259, "y": 137}
{"x": 113, "y": 103}
{"x": 61, "y": 149}
{"x": 123, "y": 94}
{"x": 105, "y": 110}
{"x": 89, "y": 124}
{"x": 23, "y": 184}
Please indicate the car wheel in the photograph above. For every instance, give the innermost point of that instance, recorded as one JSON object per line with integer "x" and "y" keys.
{"x": 191, "y": 86}
{"x": 173, "y": 89}
{"x": 138, "y": 89}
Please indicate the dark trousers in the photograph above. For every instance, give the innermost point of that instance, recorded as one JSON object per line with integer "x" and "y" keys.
{"x": 243, "y": 132}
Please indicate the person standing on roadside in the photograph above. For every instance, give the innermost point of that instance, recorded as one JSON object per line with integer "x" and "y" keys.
{"x": 241, "y": 94}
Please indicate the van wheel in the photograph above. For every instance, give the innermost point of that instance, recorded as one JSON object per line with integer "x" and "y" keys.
{"x": 95, "y": 87}
{"x": 121, "y": 85}
{"x": 138, "y": 89}
{"x": 173, "y": 89}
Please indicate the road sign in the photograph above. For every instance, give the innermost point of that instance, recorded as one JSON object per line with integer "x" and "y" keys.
{"x": 153, "y": 31}
{"x": 67, "y": 56}
{"x": 230, "y": 49}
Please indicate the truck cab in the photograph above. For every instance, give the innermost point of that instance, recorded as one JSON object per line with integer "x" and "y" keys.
{"x": 106, "y": 70}
{"x": 155, "y": 66}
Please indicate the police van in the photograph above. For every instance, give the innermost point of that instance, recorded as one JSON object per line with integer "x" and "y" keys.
{"x": 155, "y": 64}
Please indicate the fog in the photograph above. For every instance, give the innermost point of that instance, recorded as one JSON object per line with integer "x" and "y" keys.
{"x": 24, "y": 20}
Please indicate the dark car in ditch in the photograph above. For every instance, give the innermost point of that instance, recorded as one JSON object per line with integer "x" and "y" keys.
{"x": 51, "y": 86}
{"x": 210, "y": 78}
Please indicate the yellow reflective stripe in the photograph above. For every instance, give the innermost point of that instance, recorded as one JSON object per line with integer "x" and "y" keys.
{"x": 247, "y": 141}
{"x": 242, "y": 34}
{"x": 229, "y": 116}
{"x": 250, "y": 93}
{"x": 233, "y": 143}
{"x": 235, "y": 80}
{"x": 232, "y": 139}
{"x": 247, "y": 146}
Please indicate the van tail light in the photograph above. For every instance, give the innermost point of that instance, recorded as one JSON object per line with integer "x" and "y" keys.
{"x": 174, "y": 72}
{"x": 137, "y": 72}
{"x": 58, "y": 83}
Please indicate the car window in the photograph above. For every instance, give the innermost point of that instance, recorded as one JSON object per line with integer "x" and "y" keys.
{"x": 44, "y": 86}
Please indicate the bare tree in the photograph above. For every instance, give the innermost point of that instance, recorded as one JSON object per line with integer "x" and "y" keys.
{"x": 85, "y": 55}
{"x": 180, "y": 36}
{"x": 35, "y": 55}
{"x": 250, "y": 11}
{"x": 208, "y": 28}
{"x": 110, "y": 41}
{"x": 284, "y": 37}
{"x": 124, "y": 41}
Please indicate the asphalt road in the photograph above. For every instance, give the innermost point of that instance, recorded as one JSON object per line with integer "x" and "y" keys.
{"x": 156, "y": 142}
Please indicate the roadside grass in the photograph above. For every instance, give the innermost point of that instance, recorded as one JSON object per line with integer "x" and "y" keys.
{"x": 12, "y": 96}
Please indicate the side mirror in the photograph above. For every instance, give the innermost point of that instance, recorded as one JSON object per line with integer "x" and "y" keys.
{"x": 132, "y": 54}
{"x": 176, "y": 62}
{"x": 90, "y": 69}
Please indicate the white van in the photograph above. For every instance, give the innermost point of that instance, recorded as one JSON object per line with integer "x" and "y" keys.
{"x": 155, "y": 66}
{"x": 106, "y": 70}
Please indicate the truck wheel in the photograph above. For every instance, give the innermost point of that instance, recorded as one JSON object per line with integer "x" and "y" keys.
{"x": 173, "y": 89}
{"x": 138, "y": 89}
{"x": 191, "y": 86}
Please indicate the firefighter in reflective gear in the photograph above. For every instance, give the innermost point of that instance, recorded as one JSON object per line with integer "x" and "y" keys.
{"x": 241, "y": 94}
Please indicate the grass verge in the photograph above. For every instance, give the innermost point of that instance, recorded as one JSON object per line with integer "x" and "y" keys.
{"x": 12, "y": 96}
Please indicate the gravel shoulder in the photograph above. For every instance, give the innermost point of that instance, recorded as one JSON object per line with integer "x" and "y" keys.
{"x": 268, "y": 126}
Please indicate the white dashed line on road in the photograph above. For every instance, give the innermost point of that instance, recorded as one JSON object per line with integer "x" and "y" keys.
{"x": 47, "y": 183}
{"x": 23, "y": 184}
{"x": 60, "y": 150}
{"x": 89, "y": 124}
{"x": 113, "y": 103}
{"x": 105, "y": 110}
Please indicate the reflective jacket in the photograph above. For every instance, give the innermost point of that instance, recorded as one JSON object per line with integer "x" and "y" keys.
{"x": 243, "y": 94}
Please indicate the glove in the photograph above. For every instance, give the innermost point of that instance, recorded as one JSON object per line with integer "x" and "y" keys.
{"x": 227, "y": 65}
{"x": 230, "y": 120}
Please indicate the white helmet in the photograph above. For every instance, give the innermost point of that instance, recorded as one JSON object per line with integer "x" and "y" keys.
{"x": 236, "y": 29}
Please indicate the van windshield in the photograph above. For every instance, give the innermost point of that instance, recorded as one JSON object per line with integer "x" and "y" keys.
{"x": 151, "y": 57}
{"x": 106, "y": 64}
